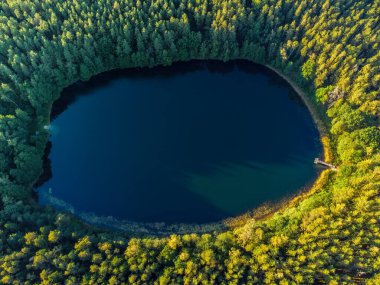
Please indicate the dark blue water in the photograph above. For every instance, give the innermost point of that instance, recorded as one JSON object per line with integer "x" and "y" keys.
{"x": 195, "y": 142}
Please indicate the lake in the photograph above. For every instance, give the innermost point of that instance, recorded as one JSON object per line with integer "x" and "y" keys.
{"x": 195, "y": 142}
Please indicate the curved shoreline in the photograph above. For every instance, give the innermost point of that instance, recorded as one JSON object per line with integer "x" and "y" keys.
{"x": 320, "y": 125}
{"x": 260, "y": 213}
{"x": 267, "y": 210}
{"x": 325, "y": 140}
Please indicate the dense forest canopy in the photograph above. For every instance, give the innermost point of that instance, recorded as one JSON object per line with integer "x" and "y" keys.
{"x": 329, "y": 48}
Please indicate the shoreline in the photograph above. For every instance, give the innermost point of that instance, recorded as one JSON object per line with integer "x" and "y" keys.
{"x": 310, "y": 106}
{"x": 324, "y": 135}
{"x": 260, "y": 213}
{"x": 266, "y": 210}
{"x": 269, "y": 209}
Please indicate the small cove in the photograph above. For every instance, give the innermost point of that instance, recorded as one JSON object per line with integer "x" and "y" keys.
{"x": 195, "y": 142}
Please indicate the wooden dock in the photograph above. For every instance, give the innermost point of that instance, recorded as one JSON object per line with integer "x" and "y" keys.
{"x": 321, "y": 162}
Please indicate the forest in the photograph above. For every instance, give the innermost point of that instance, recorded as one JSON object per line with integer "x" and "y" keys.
{"x": 330, "y": 49}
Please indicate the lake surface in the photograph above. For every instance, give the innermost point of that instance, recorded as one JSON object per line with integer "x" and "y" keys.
{"x": 194, "y": 143}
